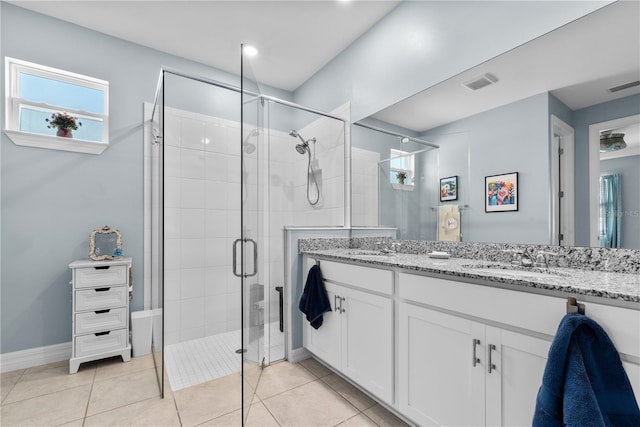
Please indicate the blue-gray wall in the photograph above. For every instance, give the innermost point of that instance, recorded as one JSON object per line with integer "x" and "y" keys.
{"x": 511, "y": 138}
{"x": 561, "y": 111}
{"x": 582, "y": 119}
{"x": 629, "y": 168}
{"x": 51, "y": 200}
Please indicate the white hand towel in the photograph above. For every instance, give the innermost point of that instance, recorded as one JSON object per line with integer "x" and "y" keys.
{"x": 449, "y": 223}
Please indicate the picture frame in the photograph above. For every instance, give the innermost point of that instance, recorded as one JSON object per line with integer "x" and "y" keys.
{"x": 105, "y": 244}
{"x": 449, "y": 188}
{"x": 501, "y": 192}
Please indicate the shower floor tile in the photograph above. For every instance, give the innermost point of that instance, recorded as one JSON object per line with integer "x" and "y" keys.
{"x": 196, "y": 361}
{"x": 204, "y": 359}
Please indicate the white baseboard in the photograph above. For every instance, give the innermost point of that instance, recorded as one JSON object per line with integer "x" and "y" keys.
{"x": 298, "y": 354}
{"x": 35, "y": 357}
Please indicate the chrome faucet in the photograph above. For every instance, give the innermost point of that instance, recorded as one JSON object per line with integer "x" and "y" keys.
{"x": 387, "y": 247}
{"x": 520, "y": 258}
{"x": 542, "y": 259}
{"x": 526, "y": 259}
{"x": 530, "y": 257}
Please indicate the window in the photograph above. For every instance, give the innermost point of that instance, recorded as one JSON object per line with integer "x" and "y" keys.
{"x": 35, "y": 92}
{"x": 401, "y": 164}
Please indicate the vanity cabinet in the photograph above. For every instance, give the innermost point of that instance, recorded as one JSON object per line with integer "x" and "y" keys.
{"x": 475, "y": 355}
{"x": 454, "y": 371}
{"x": 100, "y": 318}
{"x": 356, "y": 337}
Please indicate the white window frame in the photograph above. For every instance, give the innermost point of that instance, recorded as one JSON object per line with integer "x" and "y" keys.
{"x": 13, "y": 68}
{"x": 394, "y": 154}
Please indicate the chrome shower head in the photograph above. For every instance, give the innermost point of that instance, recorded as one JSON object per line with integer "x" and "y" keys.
{"x": 246, "y": 145}
{"x": 249, "y": 148}
{"x": 304, "y": 147}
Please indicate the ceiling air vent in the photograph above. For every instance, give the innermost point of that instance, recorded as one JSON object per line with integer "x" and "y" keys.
{"x": 480, "y": 82}
{"x": 624, "y": 86}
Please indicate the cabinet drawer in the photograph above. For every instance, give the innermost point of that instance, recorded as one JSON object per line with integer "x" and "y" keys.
{"x": 367, "y": 278}
{"x": 535, "y": 312}
{"x": 540, "y": 313}
{"x": 100, "y": 276}
{"x": 102, "y": 342}
{"x": 101, "y": 298}
{"x": 101, "y": 320}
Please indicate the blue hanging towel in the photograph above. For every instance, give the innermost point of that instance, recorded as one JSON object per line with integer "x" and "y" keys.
{"x": 314, "y": 301}
{"x": 584, "y": 383}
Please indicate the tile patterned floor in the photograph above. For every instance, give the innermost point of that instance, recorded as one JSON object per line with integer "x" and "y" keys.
{"x": 112, "y": 393}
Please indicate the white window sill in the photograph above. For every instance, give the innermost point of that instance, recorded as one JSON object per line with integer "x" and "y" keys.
{"x": 26, "y": 139}
{"x": 403, "y": 187}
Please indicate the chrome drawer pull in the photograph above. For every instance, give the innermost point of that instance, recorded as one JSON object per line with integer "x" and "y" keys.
{"x": 476, "y": 360}
{"x": 492, "y": 366}
{"x": 101, "y": 289}
{"x": 102, "y": 311}
{"x": 102, "y": 333}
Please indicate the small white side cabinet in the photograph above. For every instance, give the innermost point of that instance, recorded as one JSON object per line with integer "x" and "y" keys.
{"x": 100, "y": 322}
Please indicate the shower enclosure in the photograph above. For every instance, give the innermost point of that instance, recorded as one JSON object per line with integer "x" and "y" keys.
{"x": 395, "y": 182}
{"x": 226, "y": 177}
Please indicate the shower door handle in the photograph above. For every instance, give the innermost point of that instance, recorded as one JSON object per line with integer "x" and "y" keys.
{"x": 235, "y": 258}
{"x": 255, "y": 258}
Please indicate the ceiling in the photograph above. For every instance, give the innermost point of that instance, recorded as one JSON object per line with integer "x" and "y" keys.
{"x": 577, "y": 63}
{"x": 295, "y": 39}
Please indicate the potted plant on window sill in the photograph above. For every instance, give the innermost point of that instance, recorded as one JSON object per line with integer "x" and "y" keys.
{"x": 65, "y": 123}
{"x": 402, "y": 177}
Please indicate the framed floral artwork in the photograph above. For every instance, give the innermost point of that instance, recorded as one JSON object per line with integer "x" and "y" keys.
{"x": 501, "y": 192}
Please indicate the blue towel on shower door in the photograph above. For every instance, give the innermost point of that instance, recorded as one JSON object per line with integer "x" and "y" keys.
{"x": 584, "y": 383}
{"x": 314, "y": 301}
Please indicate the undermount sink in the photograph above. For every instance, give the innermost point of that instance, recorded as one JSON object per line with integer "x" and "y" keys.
{"x": 366, "y": 252}
{"x": 515, "y": 270}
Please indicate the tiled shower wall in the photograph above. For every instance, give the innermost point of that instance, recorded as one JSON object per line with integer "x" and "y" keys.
{"x": 202, "y": 212}
{"x": 364, "y": 187}
{"x": 202, "y": 218}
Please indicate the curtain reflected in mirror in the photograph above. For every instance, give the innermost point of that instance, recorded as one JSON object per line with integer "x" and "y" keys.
{"x": 611, "y": 210}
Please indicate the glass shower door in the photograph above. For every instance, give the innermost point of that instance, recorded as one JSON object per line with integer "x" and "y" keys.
{"x": 156, "y": 195}
{"x": 248, "y": 246}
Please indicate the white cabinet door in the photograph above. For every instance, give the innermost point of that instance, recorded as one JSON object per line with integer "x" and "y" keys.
{"x": 324, "y": 342}
{"x": 439, "y": 384}
{"x": 633, "y": 373}
{"x": 512, "y": 383}
{"x": 367, "y": 341}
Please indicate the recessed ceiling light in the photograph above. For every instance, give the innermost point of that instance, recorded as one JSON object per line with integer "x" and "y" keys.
{"x": 250, "y": 50}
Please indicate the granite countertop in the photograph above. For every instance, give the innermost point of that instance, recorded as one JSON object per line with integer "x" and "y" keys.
{"x": 618, "y": 286}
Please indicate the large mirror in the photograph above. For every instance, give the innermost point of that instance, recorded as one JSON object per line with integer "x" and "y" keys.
{"x": 539, "y": 110}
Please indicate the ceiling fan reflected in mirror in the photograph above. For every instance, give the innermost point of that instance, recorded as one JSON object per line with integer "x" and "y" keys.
{"x": 610, "y": 141}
